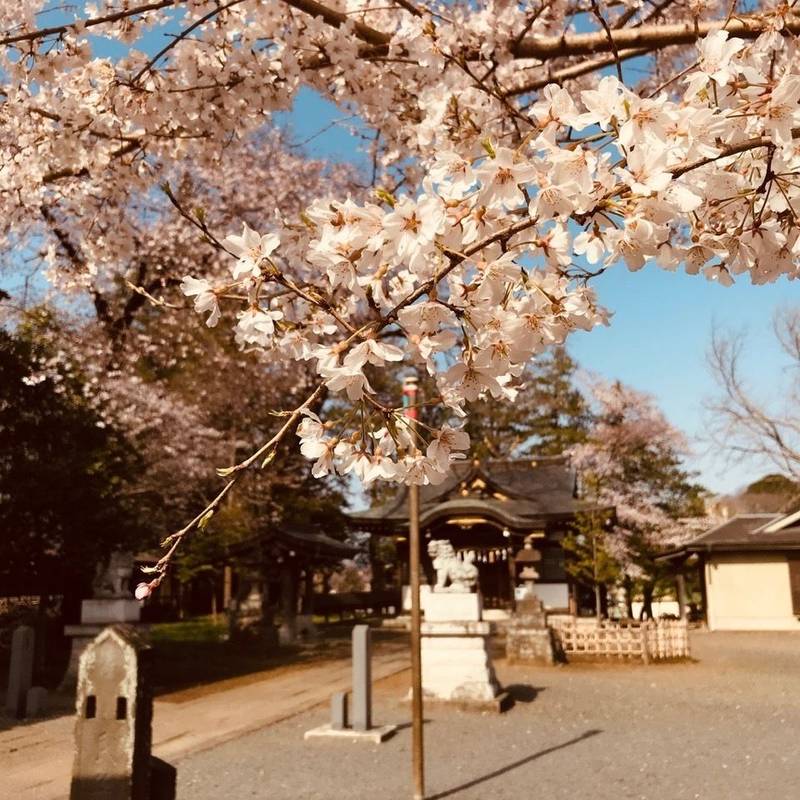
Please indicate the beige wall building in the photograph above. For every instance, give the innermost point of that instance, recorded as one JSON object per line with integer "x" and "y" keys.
{"x": 750, "y": 572}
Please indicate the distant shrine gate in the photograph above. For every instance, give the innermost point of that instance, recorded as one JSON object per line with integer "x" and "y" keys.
{"x": 492, "y": 509}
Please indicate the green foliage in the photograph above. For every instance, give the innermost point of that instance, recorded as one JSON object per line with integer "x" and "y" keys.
{"x": 62, "y": 472}
{"x": 548, "y": 416}
{"x": 773, "y": 484}
{"x": 587, "y": 549}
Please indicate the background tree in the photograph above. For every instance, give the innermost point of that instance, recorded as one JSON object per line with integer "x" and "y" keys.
{"x": 770, "y": 494}
{"x": 548, "y": 415}
{"x": 741, "y": 422}
{"x": 589, "y": 559}
{"x": 632, "y": 461}
{"x": 65, "y": 474}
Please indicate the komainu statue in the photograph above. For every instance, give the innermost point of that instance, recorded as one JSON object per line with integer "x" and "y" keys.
{"x": 452, "y": 573}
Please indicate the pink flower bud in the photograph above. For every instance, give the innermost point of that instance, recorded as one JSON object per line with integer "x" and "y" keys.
{"x": 142, "y": 591}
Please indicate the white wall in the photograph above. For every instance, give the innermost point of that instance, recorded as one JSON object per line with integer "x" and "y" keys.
{"x": 749, "y": 592}
{"x": 660, "y": 608}
{"x": 552, "y": 595}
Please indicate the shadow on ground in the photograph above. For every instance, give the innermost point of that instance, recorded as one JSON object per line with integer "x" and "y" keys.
{"x": 523, "y": 692}
{"x": 514, "y": 765}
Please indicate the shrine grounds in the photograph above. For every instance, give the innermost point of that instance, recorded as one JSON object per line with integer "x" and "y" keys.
{"x": 724, "y": 727}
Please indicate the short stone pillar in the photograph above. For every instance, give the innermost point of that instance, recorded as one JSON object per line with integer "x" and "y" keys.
{"x": 114, "y": 709}
{"x": 361, "y": 725}
{"x": 456, "y": 665}
{"x": 36, "y": 702}
{"x": 20, "y": 674}
{"x": 528, "y": 638}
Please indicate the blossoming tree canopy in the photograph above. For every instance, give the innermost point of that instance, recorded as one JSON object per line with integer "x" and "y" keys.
{"x": 513, "y": 160}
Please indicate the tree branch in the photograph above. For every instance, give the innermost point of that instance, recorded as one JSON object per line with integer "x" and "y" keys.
{"x": 89, "y": 23}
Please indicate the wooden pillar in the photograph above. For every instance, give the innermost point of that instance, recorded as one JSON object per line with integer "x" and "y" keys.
{"x": 289, "y": 585}
{"x": 680, "y": 586}
{"x": 227, "y": 586}
{"x": 512, "y": 578}
{"x": 308, "y": 591}
{"x": 701, "y": 566}
{"x": 378, "y": 571}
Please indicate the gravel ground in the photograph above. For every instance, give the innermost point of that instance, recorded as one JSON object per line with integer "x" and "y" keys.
{"x": 726, "y": 727}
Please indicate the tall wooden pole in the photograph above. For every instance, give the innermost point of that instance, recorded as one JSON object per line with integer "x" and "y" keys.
{"x": 417, "y": 744}
{"x": 417, "y": 748}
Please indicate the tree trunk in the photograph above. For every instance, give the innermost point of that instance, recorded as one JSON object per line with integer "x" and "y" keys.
{"x": 289, "y": 586}
{"x": 628, "y": 586}
{"x": 308, "y": 591}
{"x": 647, "y": 604}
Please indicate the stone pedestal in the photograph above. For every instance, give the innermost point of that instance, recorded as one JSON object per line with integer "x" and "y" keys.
{"x": 110, "y": 610}
{"x": 528, "y": 639}
{"x": 456, "y": 665}
{"x": 96, "y": 614}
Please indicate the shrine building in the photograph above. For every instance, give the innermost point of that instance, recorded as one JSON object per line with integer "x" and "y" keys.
{"x": 492, "y": 509}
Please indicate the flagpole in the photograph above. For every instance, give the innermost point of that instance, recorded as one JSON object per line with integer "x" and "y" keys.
{"x": 417, "y": 744}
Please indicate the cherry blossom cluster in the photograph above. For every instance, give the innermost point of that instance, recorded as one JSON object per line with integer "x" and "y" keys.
{"x": 509, "y": 169}
{"x": 446, "y": 282}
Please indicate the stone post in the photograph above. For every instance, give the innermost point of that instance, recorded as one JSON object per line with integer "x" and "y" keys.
{"x": 20, "y": 675}
{"x": 114, "y": 709}
{"x": 362, "y": 678}
{"x": 339, "y": 711}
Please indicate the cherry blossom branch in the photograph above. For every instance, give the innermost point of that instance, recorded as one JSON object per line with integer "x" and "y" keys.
{"x": 292, "y": 419}
{"x": 89, "y": 23}
{"x": 336, "y": 19}
{"x": 545, "y": 48}
{"x": 180, "y": 37}
{"x": 604, "y": 25}
{"x": 747, "y": 26}
{"x": 455, "y": 260}
{"x": 575, "y": 71}
{"x": 175, "y": 540}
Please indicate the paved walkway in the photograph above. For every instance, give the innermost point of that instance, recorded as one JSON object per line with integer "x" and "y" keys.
{"x": 36, "y": 759}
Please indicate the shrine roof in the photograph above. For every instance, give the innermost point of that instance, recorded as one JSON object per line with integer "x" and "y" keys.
{"x": 517, "y": 493}
{"x": 742, "y": 533}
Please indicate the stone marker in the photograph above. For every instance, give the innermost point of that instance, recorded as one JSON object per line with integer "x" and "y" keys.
{"x": 362, "y": 678}
{"x": 361, "y": 729}
{"x": 36, "y": 702}
{"x": 339, "y": 711}
{"x": 20, "y": 674}
{"x": 114, "y": 709}
{"x": 528, "y": 638}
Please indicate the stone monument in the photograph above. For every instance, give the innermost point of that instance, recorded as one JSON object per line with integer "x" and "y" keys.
{"x": 528, "y": 638}
{"x": 114, "y": 710}
{"x": 456, "y": 665}
{"x": 113, "y": 603}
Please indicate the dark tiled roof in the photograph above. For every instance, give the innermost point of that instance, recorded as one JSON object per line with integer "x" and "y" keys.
{"x": 517, "y": 492}
{"x": 736, "y": 530}
{"x": 745, "y": 532}
{"x": 316, "y": 544}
